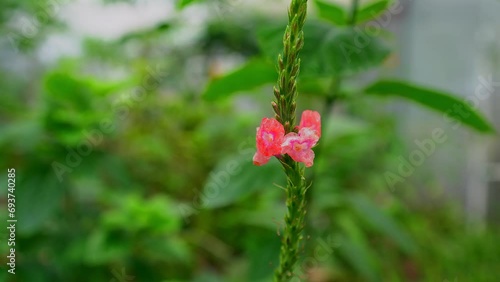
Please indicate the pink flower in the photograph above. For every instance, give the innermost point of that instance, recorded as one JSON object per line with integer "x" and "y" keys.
{"x": 272, "y": 141}
{"x": 298, "y": 146}
{"x": 312, "y": 120}
{"x": 269, "y": 138}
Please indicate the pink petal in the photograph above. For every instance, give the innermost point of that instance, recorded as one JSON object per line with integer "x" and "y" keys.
{"x": 304, "y": 156}
{"x": 288, "y": 142}
{"x": 309, "y": 135}
{"x": 308, "y": 158}
{"x": 259, "y": 159}
{"x": 269, "y": 137}
{"x": 298, "y": 146}
{"x": 311, "y": 119}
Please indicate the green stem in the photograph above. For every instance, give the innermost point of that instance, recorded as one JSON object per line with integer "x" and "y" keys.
{"x": 284, "y": 107}
{"x": 294, "y": 219}
{"x": 354, "y": 12}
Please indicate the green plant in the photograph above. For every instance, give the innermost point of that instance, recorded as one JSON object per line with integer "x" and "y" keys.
{"x": 284, "y": 107}
{"x": 171, "y": 193}
{"x": 331, "y": 57}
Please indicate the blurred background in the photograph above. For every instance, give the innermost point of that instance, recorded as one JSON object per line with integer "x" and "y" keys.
{"x": 131, "y": 126}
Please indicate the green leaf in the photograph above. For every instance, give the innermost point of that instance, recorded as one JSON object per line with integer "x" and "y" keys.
{"x": 270, "y": 40}
{"x": 338, "y": 15}
{"x": 23, "y": 135}
{"x": 181, "y": 4}
{"x": 65, "y": 89}
{"x": 36, "y": 207}
{"x": 253, "y": 74}
{"x": 148, "y": 33}
{"x": 262, "y": 253}
{"x": 382, "y": 222}
{"x": 133, "y": 213}
{"x": 356, "y": 256}
{"x": 331, "y": 12}
{"x": 237, "y": 178}
{"x": 355, "y": 249}
{"x": 372, "y": 10}
{"x": 341, "y": 126}
{"x": 103, "y": 248}
{"x": 314, "y": 86}
{"x": 100, "y": 88}
{"x": 434, "y": 99}
{"x": 328, "y": 51}
{"x": 349, "y": 52}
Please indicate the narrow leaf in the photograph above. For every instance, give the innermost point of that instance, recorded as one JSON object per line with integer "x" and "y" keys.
{"x": 354, "y": 248}
{"x": 181, "y": 4}
{"x": 330, "y": 51}
{"x": 382, "y": 223}
{"x": 349, "y": 52}
{"x": 331, "y": 12}
{"x": 372, "y": 10}
{"x": 237, "y": 178}
{"x": 434, "y": 99}
{"x": 253, "y": 74}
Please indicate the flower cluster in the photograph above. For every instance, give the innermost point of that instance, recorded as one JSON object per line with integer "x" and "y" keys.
{"x": 272, "y": 141}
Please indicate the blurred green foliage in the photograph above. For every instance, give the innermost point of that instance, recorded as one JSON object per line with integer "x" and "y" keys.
{"x": 151, "y": 175}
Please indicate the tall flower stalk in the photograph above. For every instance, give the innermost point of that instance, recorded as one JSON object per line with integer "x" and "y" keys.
{"x": 289, "y": 64}
{"x": 290, "y": 144}
{"x": 284, "y": 106}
